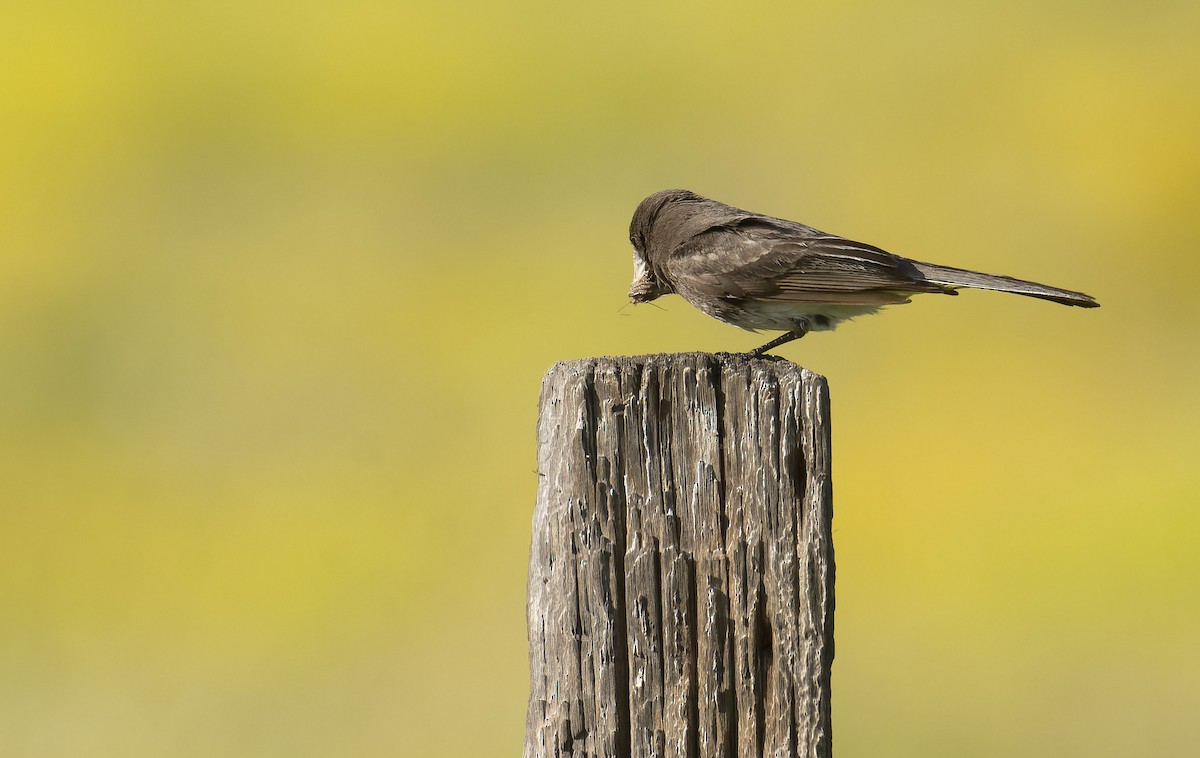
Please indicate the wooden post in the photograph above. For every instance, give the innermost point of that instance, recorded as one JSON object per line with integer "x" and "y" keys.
{"x": 680, "y": 594}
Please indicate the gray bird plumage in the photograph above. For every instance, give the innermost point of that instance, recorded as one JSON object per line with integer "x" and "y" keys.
{"x": 759, "y": 272}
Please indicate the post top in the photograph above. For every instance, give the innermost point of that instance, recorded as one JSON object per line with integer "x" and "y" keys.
{"x": 769, "y": 364}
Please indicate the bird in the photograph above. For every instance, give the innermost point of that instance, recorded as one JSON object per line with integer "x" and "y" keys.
{"x": 759, "y": 272}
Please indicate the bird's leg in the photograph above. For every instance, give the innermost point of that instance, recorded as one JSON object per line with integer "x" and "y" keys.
{"x": 782, "y": 339}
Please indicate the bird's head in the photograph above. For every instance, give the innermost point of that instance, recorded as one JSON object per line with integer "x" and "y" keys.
{"x": 654, "y": 232}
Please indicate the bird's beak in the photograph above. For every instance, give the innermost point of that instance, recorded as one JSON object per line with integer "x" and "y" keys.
{"x": 644, "y": 290}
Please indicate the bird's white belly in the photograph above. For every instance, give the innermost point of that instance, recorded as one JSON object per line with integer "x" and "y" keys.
{"x": 786, "y": 316}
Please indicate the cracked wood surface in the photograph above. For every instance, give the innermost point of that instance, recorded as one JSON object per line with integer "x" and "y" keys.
{"x": 680, "y": 598}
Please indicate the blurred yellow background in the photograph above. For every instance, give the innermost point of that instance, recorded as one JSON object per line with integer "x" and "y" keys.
{"x": 278, "y": 283}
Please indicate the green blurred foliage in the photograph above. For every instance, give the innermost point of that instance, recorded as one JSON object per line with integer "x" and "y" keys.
{"x": 278, "y": 283}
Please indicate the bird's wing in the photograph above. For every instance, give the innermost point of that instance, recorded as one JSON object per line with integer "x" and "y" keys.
{"x": 768, "y": 259}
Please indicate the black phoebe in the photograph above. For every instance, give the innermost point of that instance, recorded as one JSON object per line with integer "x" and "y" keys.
{"x": 759, "y": 272}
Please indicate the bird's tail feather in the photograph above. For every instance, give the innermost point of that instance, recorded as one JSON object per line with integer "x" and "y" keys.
{"x": 957, "y": 277}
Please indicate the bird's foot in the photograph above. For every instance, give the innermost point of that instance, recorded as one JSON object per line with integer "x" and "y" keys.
{"x": 782, "y": 339}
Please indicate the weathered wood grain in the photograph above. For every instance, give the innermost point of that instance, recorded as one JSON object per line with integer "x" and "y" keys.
{"x": 680, "y": 596}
